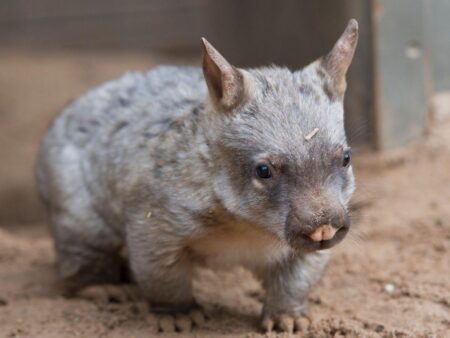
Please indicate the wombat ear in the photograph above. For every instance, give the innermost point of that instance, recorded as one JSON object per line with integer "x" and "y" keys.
{"x": 338, "y": 60}
{"x": 225, "y": 82}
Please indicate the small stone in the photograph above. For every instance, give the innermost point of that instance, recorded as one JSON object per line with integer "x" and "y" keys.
{"x": 438, "y": 222}
{"x": 3, "y": 302}
{"x": 389, "y": 288}
{"x": 379, "y": 328}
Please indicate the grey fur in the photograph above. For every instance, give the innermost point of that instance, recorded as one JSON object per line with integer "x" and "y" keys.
{"x": 149, "y": 163}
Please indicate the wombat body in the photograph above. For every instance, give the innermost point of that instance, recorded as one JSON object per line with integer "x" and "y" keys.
{"x": 248, "y": 167}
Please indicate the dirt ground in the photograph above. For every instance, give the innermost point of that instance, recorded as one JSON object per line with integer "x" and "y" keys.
{"x": 389, "y": 278}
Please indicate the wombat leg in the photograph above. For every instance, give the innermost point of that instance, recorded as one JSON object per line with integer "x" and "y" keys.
{"x": 165, "y": 278}
{"x": 287, "y": 286}
{"x": 163, "y": 271}
{"x": 167, "y": 287}
{"x": 80, "y": 267}
{"x": 83, "y": 259}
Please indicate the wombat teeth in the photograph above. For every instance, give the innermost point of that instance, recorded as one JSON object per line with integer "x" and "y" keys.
{"x": 323, "y": 233}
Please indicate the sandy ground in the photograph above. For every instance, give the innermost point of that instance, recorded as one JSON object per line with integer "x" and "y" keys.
{"x": 389, "y": 278}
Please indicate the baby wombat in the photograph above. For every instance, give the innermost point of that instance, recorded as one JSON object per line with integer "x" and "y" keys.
{"x": 182, "y": 167}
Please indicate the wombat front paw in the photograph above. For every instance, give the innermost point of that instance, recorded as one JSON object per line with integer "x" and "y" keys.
{"x": 109, "y": 293}
{"x": 181, "y": 322}
{"x": 286, "y": 322}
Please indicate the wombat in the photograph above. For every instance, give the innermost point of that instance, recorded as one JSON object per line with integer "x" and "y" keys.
{"x": 182, "y": 168}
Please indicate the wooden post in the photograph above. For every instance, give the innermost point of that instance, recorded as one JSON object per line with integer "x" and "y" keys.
{"x": 401, "y": 100}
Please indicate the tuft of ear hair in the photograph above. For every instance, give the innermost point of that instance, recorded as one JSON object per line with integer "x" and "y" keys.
{"x": 225, "y": 82}
{"x": 338, "y": 60}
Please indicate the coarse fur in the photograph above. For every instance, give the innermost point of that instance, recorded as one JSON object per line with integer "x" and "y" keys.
{"x": 152, "y": 163}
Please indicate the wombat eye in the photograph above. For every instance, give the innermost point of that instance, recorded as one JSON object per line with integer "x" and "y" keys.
{"x": 263, "y": 171}
{"x": 346, "y": 159}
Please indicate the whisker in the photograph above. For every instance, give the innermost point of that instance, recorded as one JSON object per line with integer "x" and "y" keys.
{"x": 356, "y": 239}
{"x": 354, "y": 132}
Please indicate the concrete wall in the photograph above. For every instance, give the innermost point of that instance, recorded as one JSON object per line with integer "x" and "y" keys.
{"x": 437, "y": 16}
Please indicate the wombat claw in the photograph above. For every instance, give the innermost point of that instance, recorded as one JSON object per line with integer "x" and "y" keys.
{"x": 181, "y": 322}
{"x": 288, "y": 323}
{"x": 109, "y": 293}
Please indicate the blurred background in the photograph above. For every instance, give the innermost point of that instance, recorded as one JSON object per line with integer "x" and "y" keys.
{"x": 388, "y": 279}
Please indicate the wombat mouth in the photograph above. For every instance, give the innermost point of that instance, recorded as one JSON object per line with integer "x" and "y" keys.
{"x": 304, "y": 242}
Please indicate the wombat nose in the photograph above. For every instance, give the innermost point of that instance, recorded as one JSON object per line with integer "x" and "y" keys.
{"x": 323, "y": 233}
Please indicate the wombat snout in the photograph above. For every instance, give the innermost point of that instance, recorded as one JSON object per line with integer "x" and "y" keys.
{"x": 307, "y": 231}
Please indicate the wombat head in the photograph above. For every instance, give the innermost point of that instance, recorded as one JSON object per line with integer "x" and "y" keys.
{"x": 279, "y": 146}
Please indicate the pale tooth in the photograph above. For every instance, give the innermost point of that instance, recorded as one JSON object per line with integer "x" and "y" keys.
{"x": 317, "y": 235}
{"x": 328, "y": 233}
{"x": 323, "y": 233}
